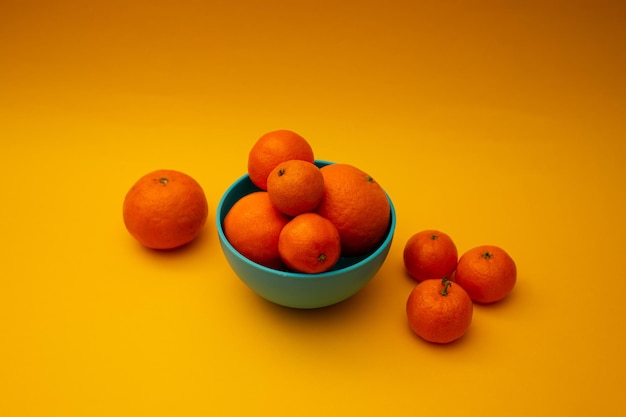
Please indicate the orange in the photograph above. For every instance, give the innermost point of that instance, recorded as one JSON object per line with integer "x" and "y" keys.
{"x": 487, "y": 273}
{"x": 439, "y": 311}
{"x": 165, "y": 209}
{"x": 309, "y": 243}
{"x": 273, "y": 148}
{"x": 430, "y": 254}
{"x": 357, "y": 206}
{"x": 252, "y": 226}
{"x": 295, "y": 186}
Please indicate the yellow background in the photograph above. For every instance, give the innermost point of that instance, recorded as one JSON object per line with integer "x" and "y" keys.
{"x": 496, "y": 122}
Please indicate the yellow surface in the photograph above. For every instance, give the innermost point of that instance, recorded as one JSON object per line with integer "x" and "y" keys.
{"x": 496, "y": 122}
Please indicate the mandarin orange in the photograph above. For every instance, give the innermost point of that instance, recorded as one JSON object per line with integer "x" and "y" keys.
{"x": 252, "y": 226}
{"x": 273, "y": 148}
{"x": 439, "y": 311}
{"x": 487, "y": 273}
{"x": 295, "y": 186}
{"x": 309, "y": 243}
{"x": 357, "y": 205}
{"x": 430, "y": 254}
{"x": 165, "y": 209}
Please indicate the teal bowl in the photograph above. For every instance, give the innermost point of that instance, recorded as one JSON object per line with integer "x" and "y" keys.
{"x": 298, "y": 290}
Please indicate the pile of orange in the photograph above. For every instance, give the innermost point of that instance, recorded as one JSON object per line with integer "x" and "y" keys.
{"x": 440, "y": 307}
{"x": 303, "y": 217}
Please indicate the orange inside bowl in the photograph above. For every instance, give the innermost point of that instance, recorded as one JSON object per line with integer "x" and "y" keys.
{"x": 299, "y": 290}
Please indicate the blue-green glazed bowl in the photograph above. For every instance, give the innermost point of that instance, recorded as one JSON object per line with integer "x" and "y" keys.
{"x": 298, "y": 290}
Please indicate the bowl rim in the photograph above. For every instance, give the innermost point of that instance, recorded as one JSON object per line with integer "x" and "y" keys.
{"x": 383, "y": 245}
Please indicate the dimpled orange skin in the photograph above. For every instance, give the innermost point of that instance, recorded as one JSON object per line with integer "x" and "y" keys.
{"x": 430, "y": 254}
{"x": 273, "y": 148}
{"x": 252, "y": 226}
{"x": 487, "y": 273}
{"x": 165, "y": 209}
{"x": 357, "y": 205}
{"x": 439, "y": 318}
{"x": 309, "y": 243}
{"x": 295, "y": 187}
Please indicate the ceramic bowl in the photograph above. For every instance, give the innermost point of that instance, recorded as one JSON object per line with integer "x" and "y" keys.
{"x": 298, "y": 290}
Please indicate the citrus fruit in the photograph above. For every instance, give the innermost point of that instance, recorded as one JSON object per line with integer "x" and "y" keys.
{"x": 439, "y": 311}
{"x": 309, "y": 243}
{"x": 273, "y": 148}
{"x": 430, "y": 254}
{"x": 252, "y": 226}
{"x": 165, "y": 209}
{"x": 357, "y": 205}
{"x": 487, "y": 273}
{"x": 295, "y": 186}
